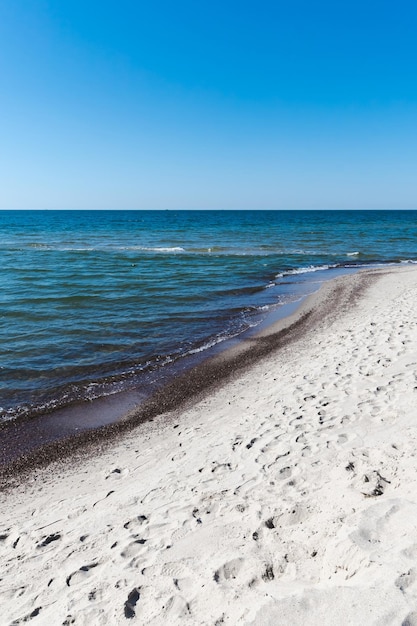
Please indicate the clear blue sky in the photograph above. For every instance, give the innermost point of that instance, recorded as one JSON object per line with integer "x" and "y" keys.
{"x": 208, "y": 104}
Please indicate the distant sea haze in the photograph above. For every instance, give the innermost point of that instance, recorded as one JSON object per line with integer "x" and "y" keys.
{"x": 94, "y": 301}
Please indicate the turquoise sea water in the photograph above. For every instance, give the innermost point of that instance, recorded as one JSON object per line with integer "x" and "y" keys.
{"x": 92, "y": 301}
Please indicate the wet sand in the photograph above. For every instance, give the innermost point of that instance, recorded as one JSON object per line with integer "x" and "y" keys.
{"x": 28, "y": 443}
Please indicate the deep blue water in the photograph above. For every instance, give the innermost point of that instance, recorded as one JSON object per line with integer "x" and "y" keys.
{"x": 92, "y": 300}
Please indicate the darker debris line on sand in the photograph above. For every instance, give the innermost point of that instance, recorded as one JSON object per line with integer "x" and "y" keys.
{"x": 190, "y": 386}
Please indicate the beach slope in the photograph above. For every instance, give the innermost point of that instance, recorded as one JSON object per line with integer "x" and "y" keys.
{"x": 288, "y": 495}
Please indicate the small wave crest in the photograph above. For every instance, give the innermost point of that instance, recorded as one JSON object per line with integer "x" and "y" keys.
{"x": 162, "y": 249}
{"x": 306, "y": 270}
{"x": 207, "y": 346}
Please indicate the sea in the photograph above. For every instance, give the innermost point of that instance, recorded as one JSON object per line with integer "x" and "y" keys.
{"x": 95, "y": 304}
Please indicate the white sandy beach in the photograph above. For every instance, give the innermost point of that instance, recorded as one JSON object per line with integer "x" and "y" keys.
{"x": 286, "y": 497}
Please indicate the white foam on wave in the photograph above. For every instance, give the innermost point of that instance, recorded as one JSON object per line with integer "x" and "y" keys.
{"x": 305, "y": 270}
{"x": 61, "y": 248}
{"x": 66, "y": 249}
{"x": 221, "y": 338}
{"x": 353, "y": 253}
{"x": 156, "y": 249}
{"x": 38, "y": 245}
{"x": 99, "y": 248}
{"x": 207, "y": 345}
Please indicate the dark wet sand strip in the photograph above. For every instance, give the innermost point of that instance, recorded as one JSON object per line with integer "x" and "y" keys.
{"x": 17, "y": 437}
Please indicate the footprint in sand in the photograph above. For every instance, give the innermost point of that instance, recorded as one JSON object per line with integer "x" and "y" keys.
{"x": 117, "y": 473}
{"x": 406, "y": 580}
{"x": 228, "y": 571}
{"x": 80, "y": 575}
{"x": 48, "y": 539}
{"x": 296, "y": 514}
{"x": 133, "y": 549}
{"x": 177, "y": 607}
{"x": 136, "y": 522}
{"x": 27, "y": 618}
{"x": 374, "y": 484}
{"x": 102, "y": 499}
{"x": 176, "y": 570}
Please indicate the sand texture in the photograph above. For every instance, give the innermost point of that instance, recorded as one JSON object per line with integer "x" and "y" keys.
{"x": 286, "y": 496}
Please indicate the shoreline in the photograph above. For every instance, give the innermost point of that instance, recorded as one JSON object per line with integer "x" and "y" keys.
{"x": 283, "y": 493}
{"x": 183, "y": 390}
{"x": 26, "y": 434}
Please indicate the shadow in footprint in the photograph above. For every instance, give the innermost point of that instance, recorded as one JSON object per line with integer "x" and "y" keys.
{"x": 83, "y": 569}
{"x": 49, "y": 540}
{"x": 130, "y": 603}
